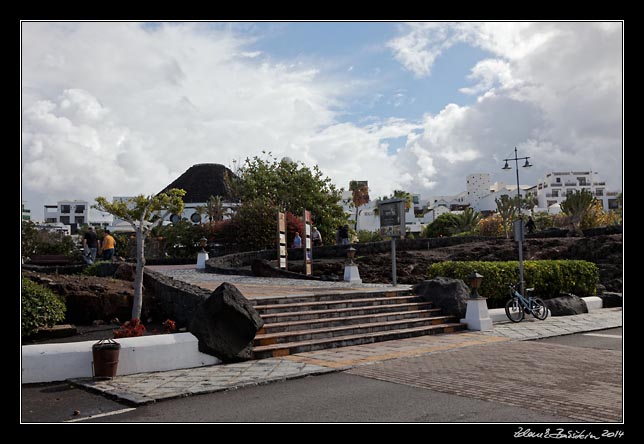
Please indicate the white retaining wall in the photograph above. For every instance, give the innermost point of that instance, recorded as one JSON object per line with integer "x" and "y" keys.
{"x": 57, "y": 362}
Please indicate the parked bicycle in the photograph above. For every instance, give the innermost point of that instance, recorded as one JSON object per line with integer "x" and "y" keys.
{"x": 519, "y": 305}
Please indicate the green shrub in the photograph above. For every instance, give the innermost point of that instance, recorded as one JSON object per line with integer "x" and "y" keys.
{"x": 443, "y": 225}
{"x": 41, "y": 307}
{"x": 91, "y": 270}
{"x": 549, "y": 278}
{"x": 369, "y": 236}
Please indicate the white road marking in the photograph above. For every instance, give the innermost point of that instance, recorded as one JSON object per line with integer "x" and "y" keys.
{"x": 115, "y": 412}
{"x": 603, "y": 335}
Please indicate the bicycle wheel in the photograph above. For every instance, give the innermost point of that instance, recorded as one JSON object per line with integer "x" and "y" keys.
{"x": 514, "y": 310}
{"x": 539, "y": 309}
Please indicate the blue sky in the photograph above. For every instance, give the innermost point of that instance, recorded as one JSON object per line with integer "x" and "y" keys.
{"x": 413, "y": 106}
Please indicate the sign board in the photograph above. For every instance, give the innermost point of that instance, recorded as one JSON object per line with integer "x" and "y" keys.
{"x": 519, "y": 230}
{"x": 282, "y": 251}
{"x": 392, "y": 217}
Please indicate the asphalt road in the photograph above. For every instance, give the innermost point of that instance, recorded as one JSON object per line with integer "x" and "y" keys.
{"x": 336, "y": 397}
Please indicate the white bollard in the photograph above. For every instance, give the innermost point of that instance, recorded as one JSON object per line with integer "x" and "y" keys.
{"x": 202, "y": 257}
{"x": 477, "y": 316}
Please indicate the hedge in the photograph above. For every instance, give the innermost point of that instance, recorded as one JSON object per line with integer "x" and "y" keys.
{"x": 549, "y": 278}
{"x": 41, "y": 307}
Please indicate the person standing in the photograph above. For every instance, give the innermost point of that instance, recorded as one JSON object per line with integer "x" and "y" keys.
{"x": 108, "y": 245}
{"x": 297, "y": 240}
{"x": 90, "y": 245}
{"x": 316, "y": 237}
{"x": 344, "y": 235}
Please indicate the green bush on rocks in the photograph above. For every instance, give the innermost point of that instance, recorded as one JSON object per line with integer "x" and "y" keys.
{"x": 41, "y": 307}
{"x": 549, "y": 278}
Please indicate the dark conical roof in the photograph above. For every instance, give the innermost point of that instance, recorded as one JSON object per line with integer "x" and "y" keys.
{"x": 202, "y": 181}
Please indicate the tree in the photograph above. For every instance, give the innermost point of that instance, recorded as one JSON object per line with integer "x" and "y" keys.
{"x": 290, "y": 186}
{"x": 491, "y": 226}
{"x": 467, "y": 220}
{"x": 529, "y": 202}
{"x": 507, "y": 208}
{"x": 576, "y": 206}
{"x": 359, "y": 196}
{"x": 596, "y": 216}
{"x": 443, "y": 225}
{"x": 142, "y": 212}
{"x": 215, "y": 209}
{"x": 406, "y": 196}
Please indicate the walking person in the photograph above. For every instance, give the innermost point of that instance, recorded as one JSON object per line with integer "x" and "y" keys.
{"x": 90, "y": 245}
{"x": 530, "y": 226}
{"x": 108, "y": 245}
{"x": 316, "y": 237}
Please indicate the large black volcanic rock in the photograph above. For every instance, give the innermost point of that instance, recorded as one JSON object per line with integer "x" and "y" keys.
{"x": 450, "y": 295}
{"x": 566, "y": 305}
{"x": 202, "y": 181}
{"x": 226, "y": 324}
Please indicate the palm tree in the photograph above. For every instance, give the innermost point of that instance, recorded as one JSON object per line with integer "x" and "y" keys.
{"x": 576, "y": 206}
{"x": 201, "y": 210}
{"x": 409, "y": 200}
{"x": 359, "y": 196}
{"x": 214, "y": 208}
{"x": 506, "y": 208}
{"x": 467, "y": 220}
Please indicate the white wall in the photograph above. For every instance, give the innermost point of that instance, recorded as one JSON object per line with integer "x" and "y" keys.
{"x": 57, "y": 362}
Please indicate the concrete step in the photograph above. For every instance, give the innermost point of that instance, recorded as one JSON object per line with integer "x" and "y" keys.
{"x": 348, "y": 330}
{"x": 345, "y": 320}
{"x": 274, "y": 350}
{"x": 334, "y": 304}
{"x": 270, "y": 318}
{"x": 331, "y": 296}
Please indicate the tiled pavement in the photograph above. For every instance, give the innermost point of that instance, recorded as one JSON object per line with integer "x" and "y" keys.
{"x": 580, "y": 383}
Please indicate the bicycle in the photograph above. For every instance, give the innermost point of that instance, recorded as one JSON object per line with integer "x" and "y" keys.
{"x": 519, "y": 305}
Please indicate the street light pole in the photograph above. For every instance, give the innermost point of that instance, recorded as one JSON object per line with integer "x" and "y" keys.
{"x": 527, "y": 164}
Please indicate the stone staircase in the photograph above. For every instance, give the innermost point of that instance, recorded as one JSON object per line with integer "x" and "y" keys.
{"x": 306, "y": 323}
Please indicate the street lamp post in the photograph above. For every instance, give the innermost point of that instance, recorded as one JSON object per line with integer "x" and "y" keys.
{"x": 519, "y": 238}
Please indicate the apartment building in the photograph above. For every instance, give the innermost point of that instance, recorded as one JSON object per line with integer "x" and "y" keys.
{"x": 557, "y": 185}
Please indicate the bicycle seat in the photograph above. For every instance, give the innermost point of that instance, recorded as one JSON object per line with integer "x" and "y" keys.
{"x": 529, "y": 289}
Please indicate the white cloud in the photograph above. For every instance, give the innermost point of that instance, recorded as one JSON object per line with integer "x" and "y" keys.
{"x": 120, "y": 109}
{"x": 553, "y": 89}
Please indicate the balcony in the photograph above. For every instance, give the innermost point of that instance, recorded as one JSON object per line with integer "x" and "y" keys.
{"x": 571, "y": 184}
{"x": 599, "y": 184}
{"x": 556, "y": 184}
{"x": 552, "y": 195}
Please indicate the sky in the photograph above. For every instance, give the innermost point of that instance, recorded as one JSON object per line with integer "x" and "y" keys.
{"x": 124, "y": 108}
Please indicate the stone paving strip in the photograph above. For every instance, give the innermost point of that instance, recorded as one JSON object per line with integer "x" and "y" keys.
{"x": 580, "y": 383}
{"x": 145, "y": 388}
{"x": 347, "y": 357}
{"x": 531, "y": 328}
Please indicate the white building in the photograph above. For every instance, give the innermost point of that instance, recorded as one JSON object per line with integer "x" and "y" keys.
{"x": 557, "y": 185}
{"x": 75, "y": 214}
